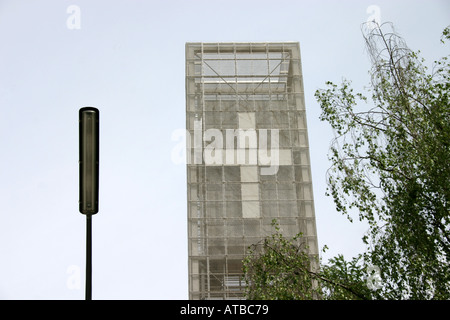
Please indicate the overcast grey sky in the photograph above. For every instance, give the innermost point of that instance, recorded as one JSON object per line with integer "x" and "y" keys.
{"x": 126, "y": 57}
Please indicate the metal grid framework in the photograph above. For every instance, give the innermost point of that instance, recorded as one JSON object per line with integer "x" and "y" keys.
{"x": 257, "y": 88}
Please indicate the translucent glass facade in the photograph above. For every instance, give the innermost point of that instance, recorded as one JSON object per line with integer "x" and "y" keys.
{"x": 247, "y": 158}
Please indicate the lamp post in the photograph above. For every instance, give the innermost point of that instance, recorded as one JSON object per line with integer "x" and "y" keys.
{"x": 89, "y": 119}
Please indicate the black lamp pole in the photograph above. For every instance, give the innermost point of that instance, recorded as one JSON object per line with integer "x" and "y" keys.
{"x": 88, "y": 257}
{"x": 89, "y": 119}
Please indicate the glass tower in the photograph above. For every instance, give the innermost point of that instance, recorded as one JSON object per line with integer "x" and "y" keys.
{"x": 247, "y": 158}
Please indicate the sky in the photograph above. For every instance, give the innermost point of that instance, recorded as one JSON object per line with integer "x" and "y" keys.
{"x": 127, "y": 58}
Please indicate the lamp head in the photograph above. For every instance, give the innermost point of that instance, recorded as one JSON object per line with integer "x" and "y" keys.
{"x": 89, "y": 159}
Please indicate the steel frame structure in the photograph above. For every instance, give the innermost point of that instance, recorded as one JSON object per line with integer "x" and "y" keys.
{"x": 234, "y": 89}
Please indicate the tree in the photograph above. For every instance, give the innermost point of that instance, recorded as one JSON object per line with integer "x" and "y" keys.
{"x": 390, "y": 162}
{"x": 279, "y": 268}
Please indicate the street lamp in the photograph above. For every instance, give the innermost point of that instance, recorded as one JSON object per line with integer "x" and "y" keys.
{"x": 89, "y": 119}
